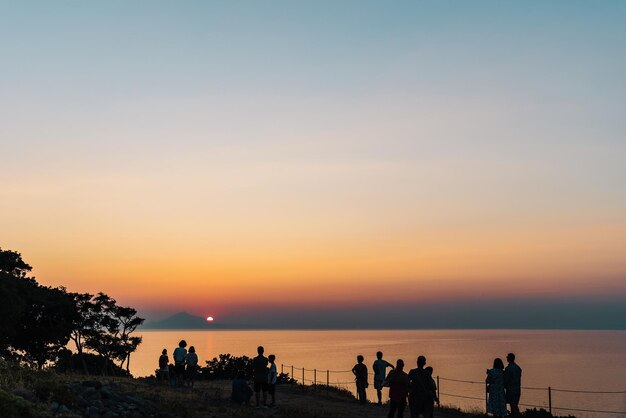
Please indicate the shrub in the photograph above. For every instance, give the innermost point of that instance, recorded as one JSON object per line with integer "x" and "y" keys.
{"x": 49, "y": 390}
{"x": 92, "y": 363}
{"x": 542, "y": 413}
{"x": 15, "y": 406}
{"x": 226, "y": 367}
{"x": 284, "y": 378}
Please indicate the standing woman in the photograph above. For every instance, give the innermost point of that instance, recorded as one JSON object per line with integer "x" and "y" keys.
{"x": 164, "y": 370}
{"x": 496, "y": 403}
{"x": 191, "y": 360}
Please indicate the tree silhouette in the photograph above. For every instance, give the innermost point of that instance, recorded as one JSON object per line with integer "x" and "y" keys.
{"x": 110, "y": 336}
{"x": 85, "y": 325}
{"x": 37, "y": 322}
{"x": 11, "y": 263}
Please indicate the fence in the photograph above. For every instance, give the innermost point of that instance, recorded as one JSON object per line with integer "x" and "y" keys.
{"x": 323, "y": 377}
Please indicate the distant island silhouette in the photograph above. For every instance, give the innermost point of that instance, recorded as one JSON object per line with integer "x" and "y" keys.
{"x": 574, "y": 313}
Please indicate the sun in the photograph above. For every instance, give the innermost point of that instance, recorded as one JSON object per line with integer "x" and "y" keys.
{"x": 209, "y": 318}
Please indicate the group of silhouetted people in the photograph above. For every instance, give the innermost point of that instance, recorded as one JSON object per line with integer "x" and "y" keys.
{"x": 183, "y": 371}
{"x": 264, "y": 378}
{"x": 418, "y": 386}
{"x": 504, "y": 386}
{"x": 185, "y": 368}
{"x": 420, "y": 389}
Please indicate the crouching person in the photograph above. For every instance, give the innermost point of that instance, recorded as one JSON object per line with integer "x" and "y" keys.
{"x": 242, "y": 393}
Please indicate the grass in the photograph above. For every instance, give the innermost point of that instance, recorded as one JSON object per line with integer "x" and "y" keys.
{"x": 39, "y": 388}
{"x": 208, "y": 399}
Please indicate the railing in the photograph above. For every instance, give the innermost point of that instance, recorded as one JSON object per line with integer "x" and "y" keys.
{"x": 323, "y": 377}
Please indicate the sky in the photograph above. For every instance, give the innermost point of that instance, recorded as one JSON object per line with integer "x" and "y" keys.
{"x": 259, "y": 160}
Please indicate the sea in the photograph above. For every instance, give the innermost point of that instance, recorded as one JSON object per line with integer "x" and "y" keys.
{"x": 575, "y": 365}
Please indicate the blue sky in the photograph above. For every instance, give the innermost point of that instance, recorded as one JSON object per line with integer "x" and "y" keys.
{"x": 281, "y": 143}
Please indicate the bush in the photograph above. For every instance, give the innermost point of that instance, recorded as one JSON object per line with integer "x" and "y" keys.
{"x": 15, "y": 406}
{"x": 284, "y": 378}
{"x": 542, "y": 413}
{"x": 49, "y": 390}
{"x": 93, "y": 362}
{"x": 226, "y": 367}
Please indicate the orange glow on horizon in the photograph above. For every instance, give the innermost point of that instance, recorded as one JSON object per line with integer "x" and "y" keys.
{"x": 445, "y": 267}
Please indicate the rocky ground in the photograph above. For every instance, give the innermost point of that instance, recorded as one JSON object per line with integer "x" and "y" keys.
{"x": 65, "y": 397}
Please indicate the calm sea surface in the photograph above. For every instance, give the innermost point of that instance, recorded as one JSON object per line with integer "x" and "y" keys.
{"x": 572, "y": 360}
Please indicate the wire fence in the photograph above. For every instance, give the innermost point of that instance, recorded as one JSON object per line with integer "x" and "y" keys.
{"x": 343, "y": 378}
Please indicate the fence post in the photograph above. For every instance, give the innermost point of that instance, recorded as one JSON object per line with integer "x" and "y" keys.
{"x": 486, "y": 397}
{"x": 282, "y": 368}
{"x": 438, "y": 392}
{"x": 327, "y": 377}
{"x": 292, "y": 376}
{"x": 314, "y": 377}
{"x": 550, "y": 400}
{"x": 303, "y": 377}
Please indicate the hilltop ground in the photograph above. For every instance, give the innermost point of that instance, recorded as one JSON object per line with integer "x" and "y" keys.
{"x": 27, "y": 393}
{"x": 212, "y": 399}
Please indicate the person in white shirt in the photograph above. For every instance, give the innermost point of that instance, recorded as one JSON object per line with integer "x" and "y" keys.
{"x": 380, "y": 372}
{"x": 272, "y": 378}
{"x": 180, "y": 353}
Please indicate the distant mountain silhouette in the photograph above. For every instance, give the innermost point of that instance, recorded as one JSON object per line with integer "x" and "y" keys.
{"x": 183, "y": 320}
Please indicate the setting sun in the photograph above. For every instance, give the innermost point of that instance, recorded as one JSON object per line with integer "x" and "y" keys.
{"x": 209, "y": 318}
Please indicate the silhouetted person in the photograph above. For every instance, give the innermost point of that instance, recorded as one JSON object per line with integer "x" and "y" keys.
{"x": 513, "y": 384}
{"x": 259, "y": 364}
{"x": 241, "y": 391}
{"x": 272, "y": 378}
{"x": 418, "y": 389}
{"x": 192, "y": 366}
{"x": 496, "y": 403}
{"x": 380, "y": 371}
{"x": 360, "y": 374}
{"x": 164, "y": 370}
{"x": 429, "y": 407}
{"x": 180, "y": 353}
{"x": 398, "y": 382}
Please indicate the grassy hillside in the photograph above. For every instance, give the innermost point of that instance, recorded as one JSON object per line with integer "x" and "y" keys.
{"x": 28, "y": 393}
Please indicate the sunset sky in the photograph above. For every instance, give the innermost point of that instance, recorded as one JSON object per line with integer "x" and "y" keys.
{"x": 247, "y": 158}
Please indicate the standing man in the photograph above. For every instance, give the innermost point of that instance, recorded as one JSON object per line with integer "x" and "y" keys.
{"x": 513, "y": 384}
{"x": 360, "y": 376}
{"x": 398, "y": 390}
{"x": 419, "y": 393}
{"x": 259, "y": 365}
{"x": 380, "y": 371}
{"x": 180, "y": 354}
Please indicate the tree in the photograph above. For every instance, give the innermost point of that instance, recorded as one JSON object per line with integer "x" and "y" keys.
{"x": 111, "y": 336}
{"x": 86, "y": 324}
{"x": 45, "y": 327}
{"x": 35, "y": 320}
{"x": 12, "y": 310}
{"x": 11, "y": 263}
{"x": 101, "y": 338}
{"x": 128, "y": 322}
